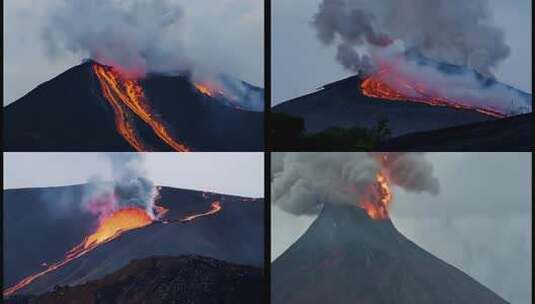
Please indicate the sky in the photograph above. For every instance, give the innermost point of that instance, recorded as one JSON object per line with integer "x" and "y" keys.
{"x": 226, "y": 35}
{"x": 227, "y": 173}
{"x": 480, "y": 221}
{"x": 300, "y": 63}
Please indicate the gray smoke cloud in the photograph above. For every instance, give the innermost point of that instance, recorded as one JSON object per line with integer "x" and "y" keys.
{"x": 302, "y": 182}
{"x": 129, "y": 187}
{"x": 456, "y": 31}
{"x": 137, "y": 36}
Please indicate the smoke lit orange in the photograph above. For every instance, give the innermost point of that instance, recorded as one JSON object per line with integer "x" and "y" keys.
{"x": 209, "y": 89}
{"x": 110, "y": 228}
{"x": 384, "y": 82}
{"x": 128, "y": 92}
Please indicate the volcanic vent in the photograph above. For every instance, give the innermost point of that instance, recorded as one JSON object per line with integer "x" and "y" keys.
{"x": 345, "y": 256}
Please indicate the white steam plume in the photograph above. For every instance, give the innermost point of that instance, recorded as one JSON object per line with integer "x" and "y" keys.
{"x": 129, "y": 187}
{"x": 137, "y": 36}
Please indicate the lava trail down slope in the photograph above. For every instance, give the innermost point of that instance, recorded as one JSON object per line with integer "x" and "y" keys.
{"x": 57, "y": 224}
{"x": 89, "y": 108}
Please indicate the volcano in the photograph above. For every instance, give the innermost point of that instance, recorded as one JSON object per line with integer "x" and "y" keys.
{"x": 35, "y": 240}
{"x": 362, "y": 101}
{"x": 347, "y": 257}
{"x": 90, "y": 107}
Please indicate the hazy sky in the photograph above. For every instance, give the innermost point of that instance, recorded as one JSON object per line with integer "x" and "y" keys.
{"x": 226, "y": 35}
{"x": 480, "y": 221}
{"x": 300, "y": 63}
{"x": 229, "y": 173}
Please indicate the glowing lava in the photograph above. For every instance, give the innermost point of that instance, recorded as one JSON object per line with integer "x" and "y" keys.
{"x": 209, "y": 89}
{"x": 109, "y": 228}
{"x": 390, "y": 85}
{"x": 215, "y": 207}
{"x": 121, "y": 92}
{"x": 377, "y": 199}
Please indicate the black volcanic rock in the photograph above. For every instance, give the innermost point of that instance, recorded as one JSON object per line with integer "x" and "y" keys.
{"x": 342, "y": 104}
{"x": 346, "y": 257}
{"x": 507, "y": 134}
{"x": 155, "y": 280}
{"x": 44, "y": 223}
{"x": 69, "y": 113}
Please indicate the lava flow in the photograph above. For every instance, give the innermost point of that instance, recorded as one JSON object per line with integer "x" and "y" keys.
{"x": 388, "y": 84}
{"x": 215, "y": 207}
{"x": 377, "y": 199}
{"x": 109, "y": 228}
{"x": 118, "y": 91}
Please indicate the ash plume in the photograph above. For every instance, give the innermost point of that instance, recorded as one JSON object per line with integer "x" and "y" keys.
{"x": 129, "y": 187}
{"x": 136, "y": 36}
{"x": 302, "y": 182}
{"x": 456, "y": 31}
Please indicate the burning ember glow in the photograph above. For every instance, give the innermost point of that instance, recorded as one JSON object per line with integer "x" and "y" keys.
{"x": 388, "y": 84}
{"x": 109, "y": 228}
{"x": 378, "y": 199}
{"x": 121, "y": 93}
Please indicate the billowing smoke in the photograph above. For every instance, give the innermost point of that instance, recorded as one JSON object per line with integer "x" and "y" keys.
{"x": 374, "y": 36}
{"x": 302, "y": 182}
{"x": 135, "y": 36}
{"x": 129, "y": 187}
{"x": 456, "y": 31}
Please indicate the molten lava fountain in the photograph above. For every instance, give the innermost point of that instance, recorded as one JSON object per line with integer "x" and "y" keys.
{"x": 388, "y": 84}
{"x": 109, "y": 228}
{"x": 377, "y": 199}
{"x": 121, "y": 92}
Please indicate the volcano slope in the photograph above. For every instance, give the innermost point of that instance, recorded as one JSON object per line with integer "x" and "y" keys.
{"x": 155, "y": 280}
{"x": 346, "y": 257}
{"x": 507, "y": 134}
{"x": 342, "y": 104}
{"x": 70, "y": 113}
{"x": 44, "y": 223}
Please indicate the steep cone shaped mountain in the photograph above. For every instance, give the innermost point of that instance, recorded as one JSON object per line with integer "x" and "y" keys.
{"x": 346, "y": 257}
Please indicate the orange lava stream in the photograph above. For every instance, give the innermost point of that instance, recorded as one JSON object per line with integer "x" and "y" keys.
{"x": 109, "y": 228}
{"x": 122, "y": 123}
{"x": 375, "y": 86}
{"x": 130, "y": 93}
{"x": 379, "y": 199}
{"x": 215, "y": 207}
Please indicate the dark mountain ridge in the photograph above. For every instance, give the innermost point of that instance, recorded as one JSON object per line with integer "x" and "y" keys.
{"x": 346, "y": 257}
{"x": 69, "y": 113}
{"x": 184, "y": 279}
